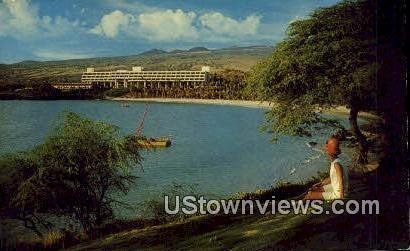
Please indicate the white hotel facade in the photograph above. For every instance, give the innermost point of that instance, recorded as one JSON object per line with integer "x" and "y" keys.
{"x": 139, "y": 78}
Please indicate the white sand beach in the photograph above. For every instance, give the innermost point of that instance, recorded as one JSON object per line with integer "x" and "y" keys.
{"x": 244, "y": 103}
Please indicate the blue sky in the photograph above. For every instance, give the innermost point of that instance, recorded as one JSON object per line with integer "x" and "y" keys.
{"x": 65, "y": 29}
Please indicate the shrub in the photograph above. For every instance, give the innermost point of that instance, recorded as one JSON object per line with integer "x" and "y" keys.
{"x": 116, "y": 92}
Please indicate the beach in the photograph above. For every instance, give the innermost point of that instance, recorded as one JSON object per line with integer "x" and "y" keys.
{"x": 244, "y": 103}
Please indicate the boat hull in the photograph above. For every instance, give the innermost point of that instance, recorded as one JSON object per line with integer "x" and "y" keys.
{"x": 154, "y": 142}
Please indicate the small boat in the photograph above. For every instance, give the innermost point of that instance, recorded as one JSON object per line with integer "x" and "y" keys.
{"x": 154, "y": 142}
{"x": 125, "y": 105}
{"x": 151, "y": 142}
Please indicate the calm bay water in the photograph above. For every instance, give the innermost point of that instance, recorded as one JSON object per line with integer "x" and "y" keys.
{"x": 218, "y": 149}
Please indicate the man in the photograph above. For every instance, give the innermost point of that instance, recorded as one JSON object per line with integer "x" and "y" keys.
{"x": 336, "y": 185}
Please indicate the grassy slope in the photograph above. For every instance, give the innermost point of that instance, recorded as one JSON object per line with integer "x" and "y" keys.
{"x": 241, "y": 58}
{"x": 248, "y": 232}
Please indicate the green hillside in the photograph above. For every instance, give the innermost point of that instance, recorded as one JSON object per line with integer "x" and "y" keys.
{"x": 32, "y": 72}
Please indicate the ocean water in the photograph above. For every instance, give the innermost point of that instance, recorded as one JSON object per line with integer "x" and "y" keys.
{"x": 219, "y": 150}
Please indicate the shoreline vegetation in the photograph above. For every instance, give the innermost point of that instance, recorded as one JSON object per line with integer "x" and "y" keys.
{"x": 244, "y": 232}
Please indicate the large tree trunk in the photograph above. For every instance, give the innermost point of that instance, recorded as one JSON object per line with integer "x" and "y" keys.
{"x": 361, "y": 139}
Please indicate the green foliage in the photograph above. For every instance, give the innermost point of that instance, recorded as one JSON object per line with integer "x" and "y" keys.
{"x": 229, "y": 76}
{"x": 47, "y": 92}
{"x": 155, "y": 206}
{"x": 327, "y": 59}
{"x": 116, "y": 92}
{"x": 77, "y": 173}
{"x": 42, "y": 91}
{"x": 282, "y": 189}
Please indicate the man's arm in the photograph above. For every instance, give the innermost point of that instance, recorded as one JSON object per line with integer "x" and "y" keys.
{"x": 326, "y": 181}
{"x": 319, "y": 186}
{"x": 339, "y": 174}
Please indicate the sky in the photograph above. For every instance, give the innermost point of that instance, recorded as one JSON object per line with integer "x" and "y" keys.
{"x": 65, "y": 29}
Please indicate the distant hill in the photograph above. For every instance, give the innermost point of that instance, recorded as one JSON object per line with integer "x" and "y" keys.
{"x": 177, "y": 51}
{"x": 195, "y": 49}
{"x": 152, "y": 52}
{"x": 242, "y": 48}
{"x": 239, "y": 58}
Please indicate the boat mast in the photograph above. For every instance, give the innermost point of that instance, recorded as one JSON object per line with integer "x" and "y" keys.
{"x": 138, "y": 130}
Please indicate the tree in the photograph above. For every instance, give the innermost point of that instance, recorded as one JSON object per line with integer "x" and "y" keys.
{"x": 231, "y": 83}
{"x": 77, "y": 173}
{"x": 326, "y": 60}
{"x": 16, "y": 169}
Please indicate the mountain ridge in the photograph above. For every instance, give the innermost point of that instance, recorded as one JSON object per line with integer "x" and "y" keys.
{"x": 154, "y": 51}
{"x": 70, "y": 70}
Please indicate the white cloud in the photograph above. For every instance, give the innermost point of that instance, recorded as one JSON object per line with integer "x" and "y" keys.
{"x": 20, "y": 16}
{"x": 173, "y": 25}
{"x": 167, "y": 25}
{"x": 2, "y": 21}
{"x": 112, "y": 23}
{"x": 164, "y": 25}
{"x": 60, "y": 55}
{"x": 20, "y": 19}
{"x": 58, "y": 25}
{"x": 134, "y": 7}
{"x": 220, "y": 24}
